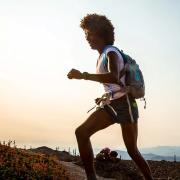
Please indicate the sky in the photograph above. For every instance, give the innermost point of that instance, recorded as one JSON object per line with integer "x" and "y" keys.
{"x": 41, "y": 41}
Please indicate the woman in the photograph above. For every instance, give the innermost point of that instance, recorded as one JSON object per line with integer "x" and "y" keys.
{"x": 122, "y": 109}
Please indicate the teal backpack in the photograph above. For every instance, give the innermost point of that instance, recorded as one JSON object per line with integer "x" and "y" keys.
{"x": 134, "y": 81}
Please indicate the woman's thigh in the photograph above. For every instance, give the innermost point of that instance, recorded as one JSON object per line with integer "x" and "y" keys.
{"x": 98, "y": 120}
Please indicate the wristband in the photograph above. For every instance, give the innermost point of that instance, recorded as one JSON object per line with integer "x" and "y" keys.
{"x": 85, "y": 75}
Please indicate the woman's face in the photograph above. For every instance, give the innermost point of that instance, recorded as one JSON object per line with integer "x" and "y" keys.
{"x": 93, "y": 39}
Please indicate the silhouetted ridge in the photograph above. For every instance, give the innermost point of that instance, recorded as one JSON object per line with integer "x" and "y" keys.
{"x": 61, "y": 155}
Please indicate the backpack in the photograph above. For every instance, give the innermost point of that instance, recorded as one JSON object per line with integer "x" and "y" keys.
{"x": 134, "y": 81}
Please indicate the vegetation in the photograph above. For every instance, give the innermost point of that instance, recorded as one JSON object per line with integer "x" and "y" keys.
{"x": 16, "y": 163}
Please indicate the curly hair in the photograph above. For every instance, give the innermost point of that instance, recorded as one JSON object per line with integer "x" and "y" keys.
{"x": 99, "y": 24}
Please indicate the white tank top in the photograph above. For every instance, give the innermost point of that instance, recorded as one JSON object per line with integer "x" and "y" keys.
{"x": 101, "y": 68}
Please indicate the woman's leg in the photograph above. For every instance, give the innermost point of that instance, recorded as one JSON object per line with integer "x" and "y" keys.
{"x": 130, "y": 134}
{"x": 98, "y": 120}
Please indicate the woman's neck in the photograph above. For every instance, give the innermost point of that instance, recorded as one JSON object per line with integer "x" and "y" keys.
{"x": 101, "y": 48}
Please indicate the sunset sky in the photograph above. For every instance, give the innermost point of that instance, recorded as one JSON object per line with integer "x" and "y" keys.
{"x": 41, "y": 41}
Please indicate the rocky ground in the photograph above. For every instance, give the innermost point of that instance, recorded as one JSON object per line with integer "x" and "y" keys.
{"x": 77, "y": 173}
{"x": 45, "y": 163}
{"x": 127, "y": 170}
{"x": 118, "y": 169}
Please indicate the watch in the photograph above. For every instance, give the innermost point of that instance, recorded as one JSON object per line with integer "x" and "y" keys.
{"x": 85, "y": 75}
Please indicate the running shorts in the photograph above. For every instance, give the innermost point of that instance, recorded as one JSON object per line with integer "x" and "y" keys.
{"x": 123, "y": 110}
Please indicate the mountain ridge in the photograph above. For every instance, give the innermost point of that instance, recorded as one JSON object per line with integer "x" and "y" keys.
{"x": 147, "y": 153}
{"x": 157, "y": 153}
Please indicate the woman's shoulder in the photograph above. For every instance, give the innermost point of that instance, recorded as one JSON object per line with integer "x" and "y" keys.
{"x": 110, "y": 49}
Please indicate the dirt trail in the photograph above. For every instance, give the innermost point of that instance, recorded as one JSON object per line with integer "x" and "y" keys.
{"x": 77, "y": 172}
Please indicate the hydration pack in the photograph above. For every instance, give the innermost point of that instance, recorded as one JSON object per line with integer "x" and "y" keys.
{"x": 134, "y": 81}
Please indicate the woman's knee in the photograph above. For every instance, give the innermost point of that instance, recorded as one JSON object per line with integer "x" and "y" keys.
{"x": 78, "y": 131}
{"x": 81, "y": 133}
{"x": 133, "y": 151}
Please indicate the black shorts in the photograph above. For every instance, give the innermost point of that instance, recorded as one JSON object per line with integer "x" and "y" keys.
{"x": 123, "y": 109}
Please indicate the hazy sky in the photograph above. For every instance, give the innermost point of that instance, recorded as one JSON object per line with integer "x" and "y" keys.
{"x": 40, "y": 41}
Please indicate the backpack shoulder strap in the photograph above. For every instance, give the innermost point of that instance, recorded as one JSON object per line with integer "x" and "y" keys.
{"x": 105, "y": 62}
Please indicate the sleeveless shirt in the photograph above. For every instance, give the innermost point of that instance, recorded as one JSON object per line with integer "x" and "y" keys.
{"x": 101, "y": 68}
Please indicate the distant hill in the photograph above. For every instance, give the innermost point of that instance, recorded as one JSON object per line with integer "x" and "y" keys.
{"x": 162, "y": 150}
{"x": 124, "y": 155}
{"x": 61, "y": 155}
{"x": 155, "y": 153}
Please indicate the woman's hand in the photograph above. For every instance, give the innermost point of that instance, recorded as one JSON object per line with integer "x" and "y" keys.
{"x": 75, "y": 74}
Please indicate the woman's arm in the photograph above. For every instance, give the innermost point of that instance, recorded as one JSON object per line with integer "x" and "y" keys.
{"x": 110, "y": 77}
